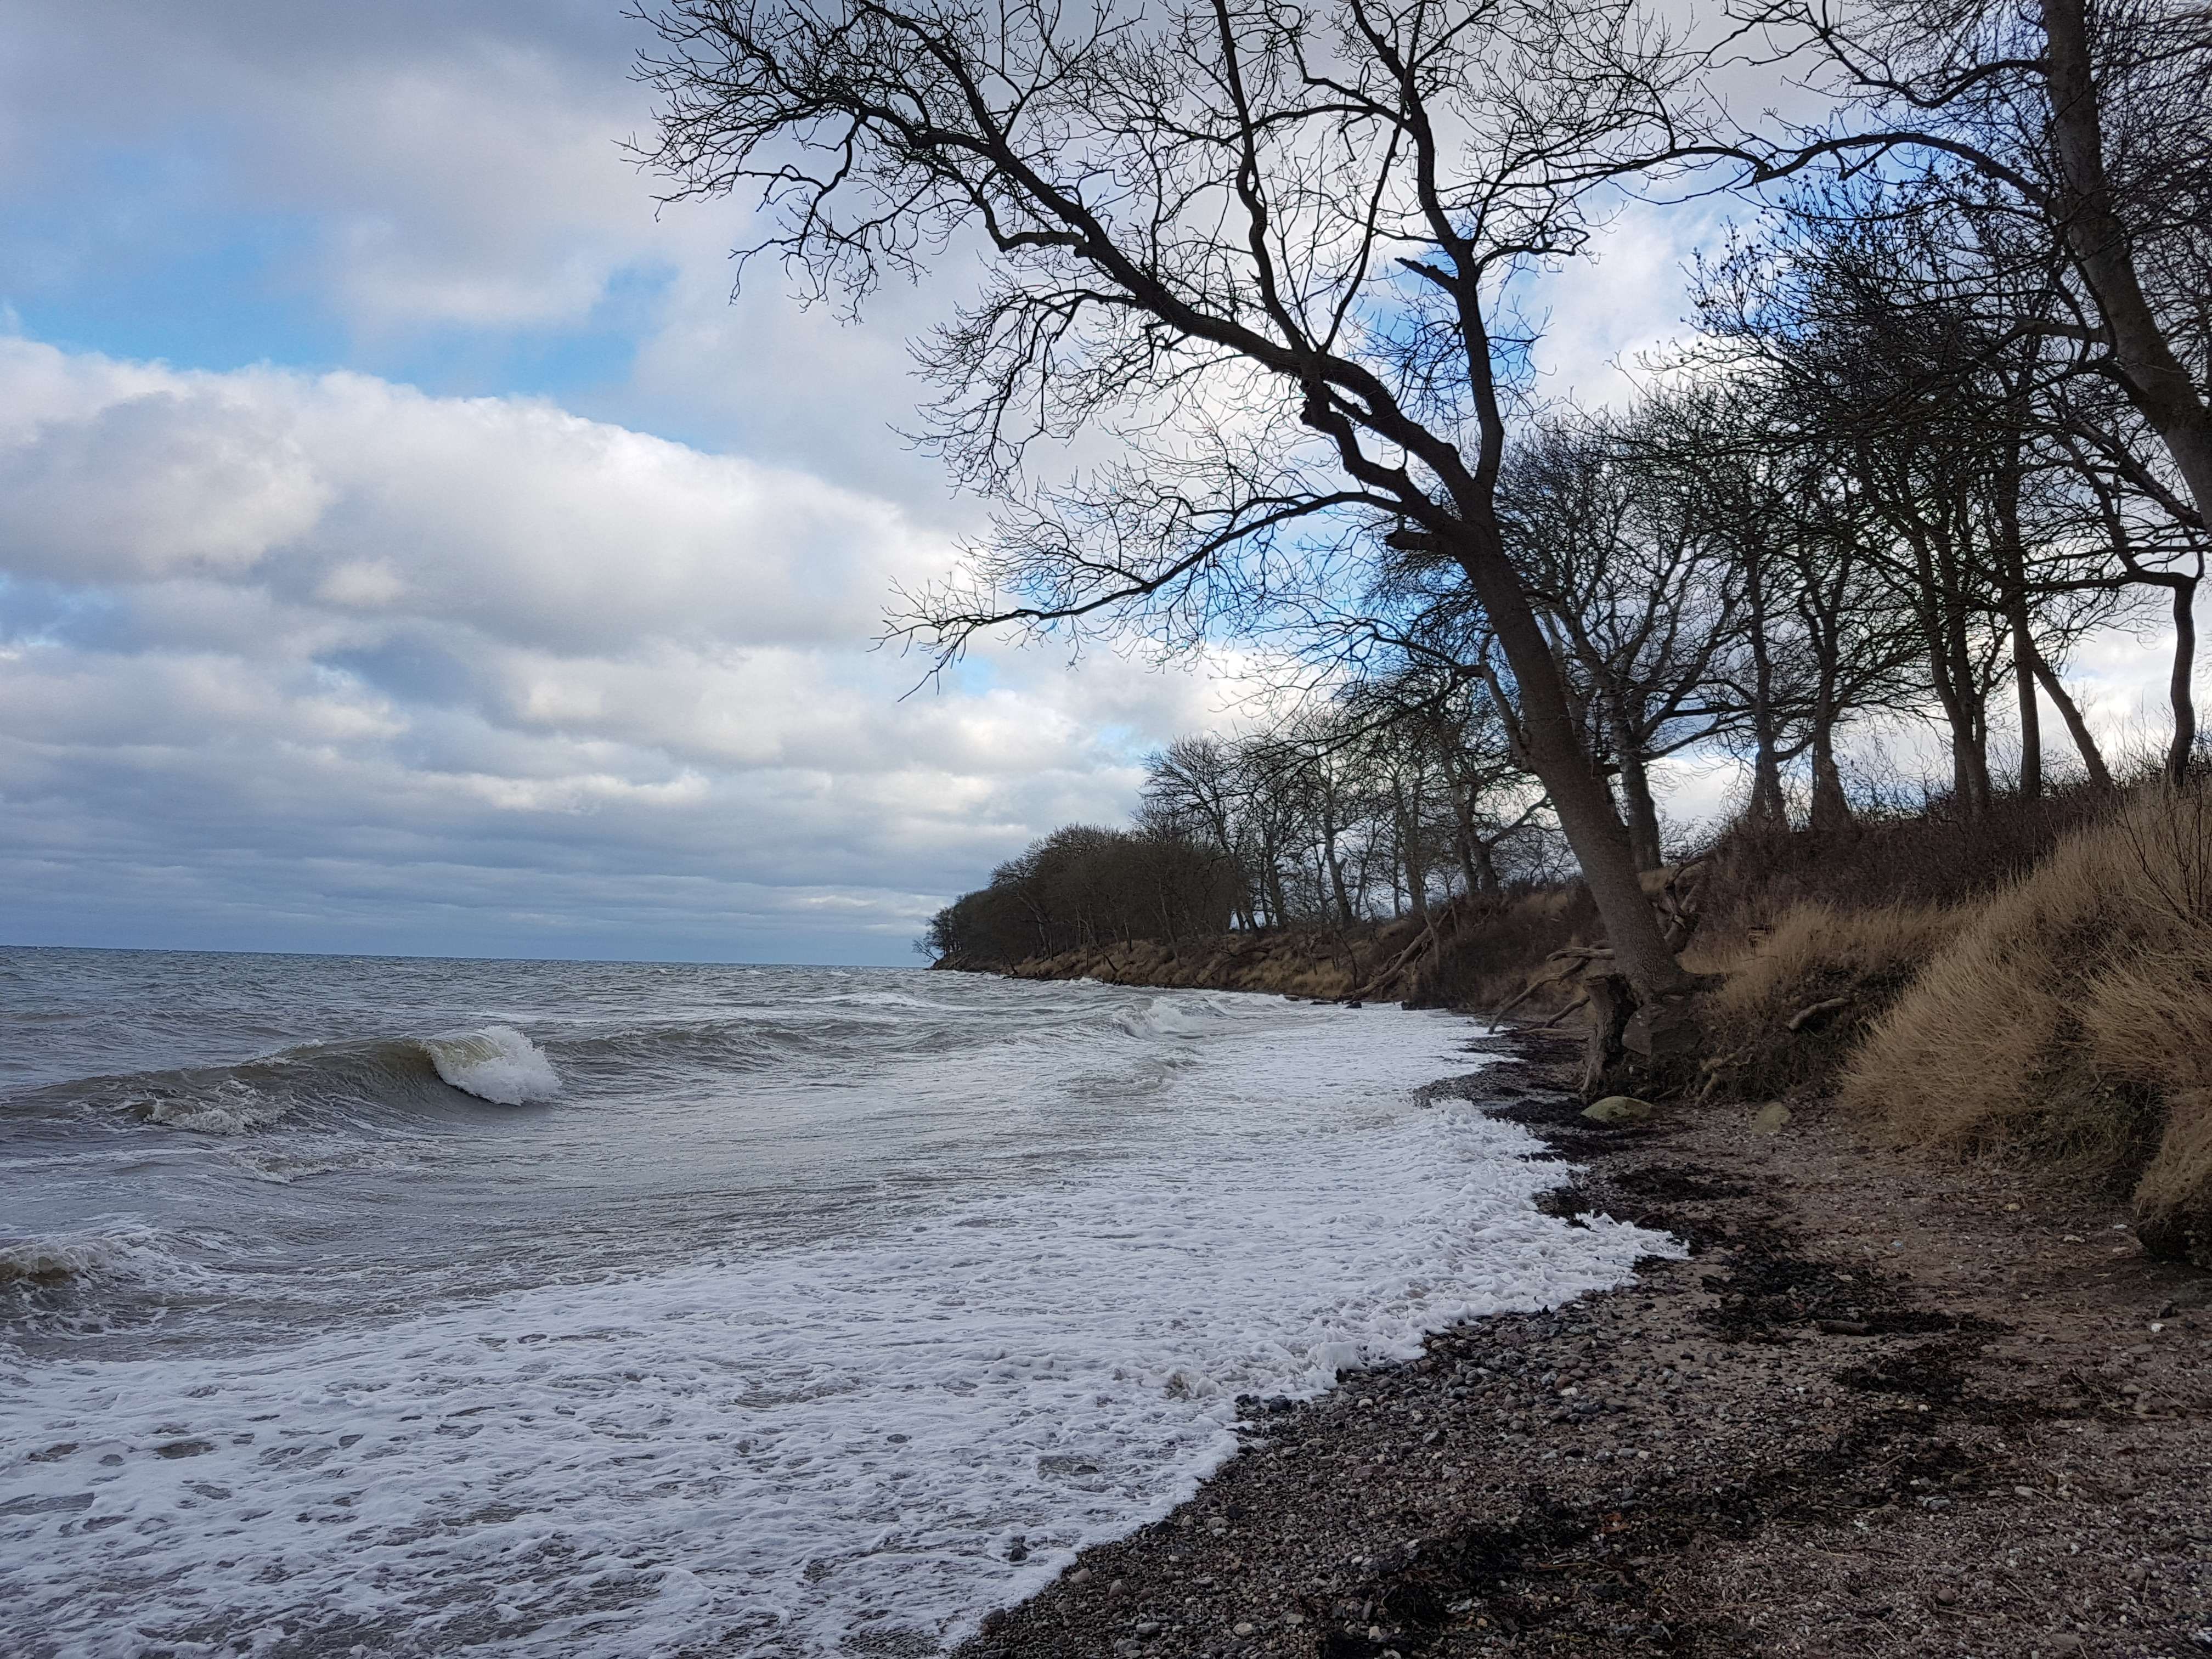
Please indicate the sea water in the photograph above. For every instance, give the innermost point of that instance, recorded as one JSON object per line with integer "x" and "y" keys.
{"x": 398, "y": 1307}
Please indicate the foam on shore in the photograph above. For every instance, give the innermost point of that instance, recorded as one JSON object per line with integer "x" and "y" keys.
{"x": 785, "y": 1450}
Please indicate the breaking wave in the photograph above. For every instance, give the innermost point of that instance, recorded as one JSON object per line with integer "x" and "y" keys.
{"x": 83, "y": 1281}
{"x": 328, "y": 1083}
{"x": 498, "y": 1064}
{"x": 1172, "y": 1017}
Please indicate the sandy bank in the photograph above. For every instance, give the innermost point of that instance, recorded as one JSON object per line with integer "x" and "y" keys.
{"x": 1888, "y": 1406}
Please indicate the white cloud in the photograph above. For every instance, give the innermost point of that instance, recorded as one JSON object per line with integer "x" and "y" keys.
{"x": 460, "y": 161}
{"x": 285, "y": 625}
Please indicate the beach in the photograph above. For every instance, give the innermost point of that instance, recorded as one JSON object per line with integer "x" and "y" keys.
{"x": 1885, "y": 1407}
{"x": 617, "y": 1308}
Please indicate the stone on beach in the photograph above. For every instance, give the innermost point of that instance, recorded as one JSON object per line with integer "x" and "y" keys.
{"x": 1619, "y": 1109}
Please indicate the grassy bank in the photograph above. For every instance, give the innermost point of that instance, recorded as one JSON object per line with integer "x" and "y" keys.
{"x": 2033, "y": 984}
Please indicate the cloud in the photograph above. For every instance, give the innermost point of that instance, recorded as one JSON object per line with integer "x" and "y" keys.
{"x": 274, "y": 641}
{"x": 460, "y": 163}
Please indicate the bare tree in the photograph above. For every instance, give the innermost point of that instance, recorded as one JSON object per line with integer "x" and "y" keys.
{"x": 1260, "y": 248}
{"x": 1636, "y": 590}
{"x": 2089, "y": 121}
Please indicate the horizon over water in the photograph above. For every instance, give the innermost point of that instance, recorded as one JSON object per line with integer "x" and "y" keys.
{"x": 428, "y": 1305}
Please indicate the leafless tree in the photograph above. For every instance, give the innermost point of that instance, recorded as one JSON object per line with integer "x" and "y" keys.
{"x": 2086, "y": 125}
{"x": 1636, "y": 589}
{"x": 1260, "y": 249}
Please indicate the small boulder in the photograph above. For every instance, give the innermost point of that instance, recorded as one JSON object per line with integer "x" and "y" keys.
{"x": 1769, "y": 1119}
{"x": 1619, "y": 1109}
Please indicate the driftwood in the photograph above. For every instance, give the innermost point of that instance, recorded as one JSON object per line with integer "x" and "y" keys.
{"x": 1804, "y": 1017}
{"x": 1574, "y": 1007}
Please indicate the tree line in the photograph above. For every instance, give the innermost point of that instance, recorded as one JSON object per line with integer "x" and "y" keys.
{"x": 1353, "y": 812}
{"x": 1262, "y": 266}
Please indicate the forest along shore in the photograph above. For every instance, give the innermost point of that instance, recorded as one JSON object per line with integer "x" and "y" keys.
{"x": 1889, "y": 1406}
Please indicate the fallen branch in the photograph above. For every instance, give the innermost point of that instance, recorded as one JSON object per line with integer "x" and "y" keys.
{"x": 1575, "y": 1006}
{"x": 1798, "y": 1021}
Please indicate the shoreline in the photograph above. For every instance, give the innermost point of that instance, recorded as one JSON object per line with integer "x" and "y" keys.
{"x": 1887, "y": 1405}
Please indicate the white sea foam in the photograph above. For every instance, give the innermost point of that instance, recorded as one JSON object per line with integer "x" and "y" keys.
{"x": 784, "y": 1451}
{"x": 497, "y": 1063}
{"x": 233, "y": 1107}
{"x": 1189, "y": 1016}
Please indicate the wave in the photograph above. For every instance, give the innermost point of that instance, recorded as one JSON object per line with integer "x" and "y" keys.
{"x": 56, "y": 1261}
{"x": 498, "y": 1064}
{"x": 1170, "y": 1017}
{"x": 333, "y": 1083}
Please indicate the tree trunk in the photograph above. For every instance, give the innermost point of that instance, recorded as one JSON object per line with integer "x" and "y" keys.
{"x": 1769, "y": 810}
{"x": 1464, "y": 835}
{"x": 1832, "y": 807}
{"x": 2022, "y": 621}
{"x": 1635, "y": 794}
{"x": 2070, "y": 712}
{"x": 2030, "y": 722}
{"x": 1952, "y": 682}
{"x": 1409, "y": 841}
{"x": 2156, "y": 380}
{"x": 1554, "y": 745}
{"x": 1335, "y": 870}
{"x": 1486, "y": 867}
{"x": 2178, "y": 683}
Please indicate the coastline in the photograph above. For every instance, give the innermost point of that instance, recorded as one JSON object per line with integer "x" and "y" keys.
{"x": 1887, "y": 1405}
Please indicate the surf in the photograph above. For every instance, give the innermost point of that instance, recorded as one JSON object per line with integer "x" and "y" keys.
{"x": 327, "y": 1084}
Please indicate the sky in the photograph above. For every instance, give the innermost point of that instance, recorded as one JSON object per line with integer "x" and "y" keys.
{"x": 407, "y": 546}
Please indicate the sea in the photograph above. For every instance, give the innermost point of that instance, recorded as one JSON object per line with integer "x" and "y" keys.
{"x": 387, "y": 1306}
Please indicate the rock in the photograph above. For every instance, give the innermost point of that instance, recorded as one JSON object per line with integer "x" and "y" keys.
{"x": 1946, "y": 1595}
{"x": 1619, "y": 1109}
{"x": 1243, "y": 1627}
{"x": 1017, "y": 1549}
{"x": 1148, "y": 1628}
{"x": 1769, "y": 1119}
{"x": 1117, "y": 1590}
{"x": 1080, "y": 1576}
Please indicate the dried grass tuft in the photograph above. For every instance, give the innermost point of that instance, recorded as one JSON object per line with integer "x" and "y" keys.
{"x": 2070, "y": 1018}
{"x": 1815, "y": 954}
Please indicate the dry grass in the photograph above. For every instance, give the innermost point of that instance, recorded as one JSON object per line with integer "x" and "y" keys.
{"x": 1815, "y": 953}
{"x": 1492, "y": 959}
{"x": 2069, "y": 1020}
